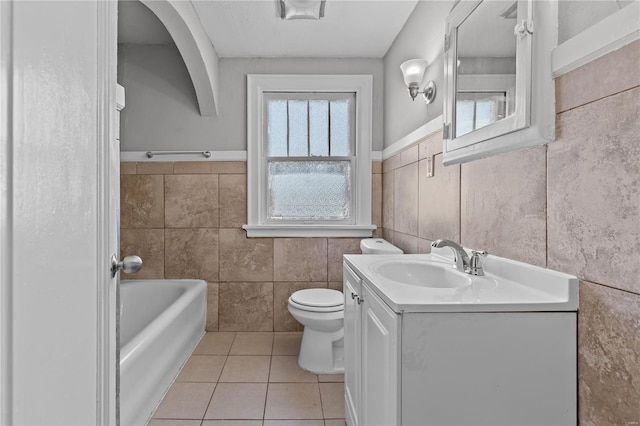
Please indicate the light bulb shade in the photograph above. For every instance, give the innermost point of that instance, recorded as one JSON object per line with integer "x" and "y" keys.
{"x": 413, "y": 71}
{"x": 302, "y": 9}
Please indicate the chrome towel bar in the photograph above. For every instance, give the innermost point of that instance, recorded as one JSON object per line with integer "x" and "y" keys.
{"x": 206, "y": 154}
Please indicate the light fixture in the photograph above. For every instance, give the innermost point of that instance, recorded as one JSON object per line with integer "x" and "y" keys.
{"x": 302, "y": 9}
{"x": 413, "y": 73}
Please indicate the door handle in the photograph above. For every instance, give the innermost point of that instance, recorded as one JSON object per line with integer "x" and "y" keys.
{"x": 130, "y": 265}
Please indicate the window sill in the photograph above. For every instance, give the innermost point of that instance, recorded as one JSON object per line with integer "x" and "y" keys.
{"x": 303, "y": 231}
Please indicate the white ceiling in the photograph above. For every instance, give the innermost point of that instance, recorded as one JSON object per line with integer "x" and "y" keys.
{"x": 253, "y": 28}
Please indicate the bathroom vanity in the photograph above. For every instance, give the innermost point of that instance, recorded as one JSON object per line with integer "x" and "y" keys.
{"x": 426, "y": 344}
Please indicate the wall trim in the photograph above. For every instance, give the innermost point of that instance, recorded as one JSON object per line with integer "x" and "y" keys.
{"x": 423, "y": 131}
{"x": 141, "y": 157}
{"x": 610, "y": 34}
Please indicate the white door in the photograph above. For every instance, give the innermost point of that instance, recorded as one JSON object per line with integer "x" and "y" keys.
{"x": 58, "y": 212}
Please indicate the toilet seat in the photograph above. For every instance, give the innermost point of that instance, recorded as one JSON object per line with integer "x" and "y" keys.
{"x": 317, "y": 300}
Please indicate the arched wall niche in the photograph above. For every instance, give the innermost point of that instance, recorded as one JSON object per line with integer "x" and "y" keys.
{"x": 184, "y": 26}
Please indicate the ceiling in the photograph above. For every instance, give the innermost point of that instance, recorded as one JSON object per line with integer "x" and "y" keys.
{"x": 243, "y": 28}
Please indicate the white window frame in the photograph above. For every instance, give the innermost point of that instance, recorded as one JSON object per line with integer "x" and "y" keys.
{"x": 257, "y": 84}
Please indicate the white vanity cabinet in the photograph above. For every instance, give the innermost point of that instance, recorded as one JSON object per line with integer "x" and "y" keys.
{"x": 371, "y": 331}
{"x": 434, "y": 367}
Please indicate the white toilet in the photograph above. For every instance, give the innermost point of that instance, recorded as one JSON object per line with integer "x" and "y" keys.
{"x": 321, "y": 311}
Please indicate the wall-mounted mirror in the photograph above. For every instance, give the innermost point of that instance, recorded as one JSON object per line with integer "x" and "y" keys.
{"x": 499, "y": 92}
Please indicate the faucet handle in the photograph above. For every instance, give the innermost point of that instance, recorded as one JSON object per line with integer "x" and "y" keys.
{"x": 475, "y": 267}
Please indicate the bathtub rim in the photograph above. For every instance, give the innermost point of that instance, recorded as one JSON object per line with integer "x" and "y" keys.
{"x": 132, "y": 349}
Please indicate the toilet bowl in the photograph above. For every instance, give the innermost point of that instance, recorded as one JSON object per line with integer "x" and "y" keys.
{"x": 321, "y": 312}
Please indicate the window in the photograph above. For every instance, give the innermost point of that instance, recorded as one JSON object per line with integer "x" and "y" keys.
{"x": 476, "y": 110}
{"x": 309, "y": 156}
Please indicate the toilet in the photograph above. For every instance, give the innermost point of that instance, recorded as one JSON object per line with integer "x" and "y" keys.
{"x": 321, "y": 312}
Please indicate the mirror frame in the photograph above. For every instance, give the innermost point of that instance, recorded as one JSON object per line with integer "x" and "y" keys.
{"x": 533, "y": 122}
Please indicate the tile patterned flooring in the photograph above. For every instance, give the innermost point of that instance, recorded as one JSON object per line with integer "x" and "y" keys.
{"x": 250, "y": 379}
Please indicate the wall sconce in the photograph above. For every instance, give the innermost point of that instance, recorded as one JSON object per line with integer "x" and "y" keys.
{"x": 302, "y": 9}
{"x": 413, "y": 73}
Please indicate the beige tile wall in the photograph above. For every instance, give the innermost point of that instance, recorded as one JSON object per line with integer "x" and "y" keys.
{"x": 572, "y": 206}
{"x": 185, "y": 220}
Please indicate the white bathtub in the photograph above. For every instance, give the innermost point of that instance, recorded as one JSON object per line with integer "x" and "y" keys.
{"x": 161, "y": 322}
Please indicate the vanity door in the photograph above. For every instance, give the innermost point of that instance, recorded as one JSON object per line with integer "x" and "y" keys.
{"x": 352, "y": 341}
{"x": 380, "y": 400}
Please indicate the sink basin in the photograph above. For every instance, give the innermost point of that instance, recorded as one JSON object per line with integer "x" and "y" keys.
{"x": 421, "y": 273}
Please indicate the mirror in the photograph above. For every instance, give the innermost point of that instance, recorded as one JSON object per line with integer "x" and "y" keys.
{"x": 486, "y": 66}
{"x": 498, "y": 94}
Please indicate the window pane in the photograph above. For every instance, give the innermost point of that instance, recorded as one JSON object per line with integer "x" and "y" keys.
{"x": 309, "y": 190}
{"x": 464, "y": 117}
{"x": 484, "y": 113}
{"x": 340, "y": 128}
{"x": 318, "y": 129}
{"x": 277, "y": 128}
{"x": 298, "y": 142}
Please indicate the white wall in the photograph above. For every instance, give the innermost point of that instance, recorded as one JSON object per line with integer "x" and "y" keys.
{"x": 576, "y": 16}
{"x": 162, "y": 112}
{"x": 422, "y": 37}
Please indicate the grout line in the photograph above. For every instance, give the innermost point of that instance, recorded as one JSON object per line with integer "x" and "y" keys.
{"x": 608, "y": 286}
{"x": 218, "y": 381}
{"x": 596, "y": 100}
{"x": 321, "y": 402}
{"x": 266, "y": 395}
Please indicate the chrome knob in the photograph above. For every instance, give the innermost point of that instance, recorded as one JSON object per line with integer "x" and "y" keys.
{"x": 475, "y": 266}
{"x": 129, "y": 265}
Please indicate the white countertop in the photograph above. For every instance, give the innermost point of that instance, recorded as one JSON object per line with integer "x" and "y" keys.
{"x": 508, "y": 286}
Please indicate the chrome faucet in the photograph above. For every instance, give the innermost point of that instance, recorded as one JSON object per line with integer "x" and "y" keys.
{"x": 463, "y": 263}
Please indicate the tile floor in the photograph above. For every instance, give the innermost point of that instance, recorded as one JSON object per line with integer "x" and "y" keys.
{"x": 247, "y": 379}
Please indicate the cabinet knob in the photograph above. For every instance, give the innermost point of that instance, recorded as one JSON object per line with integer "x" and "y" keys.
{"x": 353, "y": 295}
{"x": 360, "y": 300}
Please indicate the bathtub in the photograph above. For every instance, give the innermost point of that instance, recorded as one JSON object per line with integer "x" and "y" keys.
{"x": 161, "y": 322}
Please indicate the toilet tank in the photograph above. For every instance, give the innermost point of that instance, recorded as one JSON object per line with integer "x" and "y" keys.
{"x": 378, "y": 246}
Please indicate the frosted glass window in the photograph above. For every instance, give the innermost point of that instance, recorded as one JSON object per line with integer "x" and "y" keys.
{"x": 319, "y": 131}
{"x": 464, "y": 117}
{"x": 277, "y": 128}
{"x": 475, "y": 110}
{"x": 298, "y": 126}
{"x": 484, "y": 113}
{"x": 310, "y": 124}
{"x": 340, "y": 128}
{"x": 310, "y": 140}
{"x": 309, "y": 190}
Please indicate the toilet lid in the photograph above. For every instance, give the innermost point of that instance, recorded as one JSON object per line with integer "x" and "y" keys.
{"x": 319, "y": 297}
